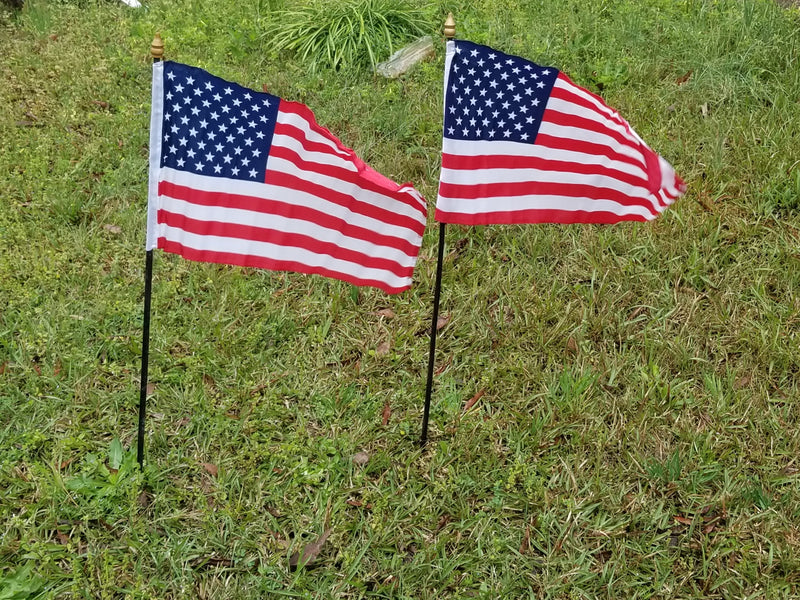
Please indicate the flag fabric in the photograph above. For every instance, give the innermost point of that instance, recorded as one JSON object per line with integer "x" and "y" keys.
{"x": 245, "y": 178}
{"x": 524, "y": 144}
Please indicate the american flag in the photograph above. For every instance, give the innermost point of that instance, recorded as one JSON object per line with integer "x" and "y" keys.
{"x": 246, "y": 178}
{"x": 523, "y": 144}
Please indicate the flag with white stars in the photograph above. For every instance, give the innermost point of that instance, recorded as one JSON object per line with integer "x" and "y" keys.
{"x": 524, "y": 144}
{"x": 245, "y": 178}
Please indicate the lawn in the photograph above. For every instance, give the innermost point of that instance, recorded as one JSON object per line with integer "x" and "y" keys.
{"x": 637, "y": 427}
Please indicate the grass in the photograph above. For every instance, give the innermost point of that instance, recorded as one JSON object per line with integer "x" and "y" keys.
{"x": 638, "y": 432}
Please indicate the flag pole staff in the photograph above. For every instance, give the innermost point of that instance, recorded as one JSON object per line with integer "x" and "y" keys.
{"x": 156, "y": 53}
{"x": 449, "y": 34}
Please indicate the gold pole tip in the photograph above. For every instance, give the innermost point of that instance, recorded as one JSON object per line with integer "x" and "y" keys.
{"x": 450, "y": 27}
{"x": 157, "y": 47}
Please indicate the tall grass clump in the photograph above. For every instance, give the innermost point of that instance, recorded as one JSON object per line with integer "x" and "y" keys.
{"x": 349, "y": 33}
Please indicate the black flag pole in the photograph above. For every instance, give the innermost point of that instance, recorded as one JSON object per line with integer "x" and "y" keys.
{"x": 437, "y": 289}
{"x": 156, "y": 52}
{"x": 449, "y": 34}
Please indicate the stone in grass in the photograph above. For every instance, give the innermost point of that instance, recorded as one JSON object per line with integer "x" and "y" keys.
{"x": 402, "y": 60}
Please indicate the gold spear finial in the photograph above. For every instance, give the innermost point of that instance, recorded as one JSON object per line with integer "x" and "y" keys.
{"x": 157, "y": 47}
{"x": 450, "y": 27}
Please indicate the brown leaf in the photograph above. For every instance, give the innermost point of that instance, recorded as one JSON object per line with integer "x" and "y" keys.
{"x": 209, "y": 380}
{"x": 310, "y": 552}
{"x": 151, "y": 387}
{"x": 684, "y": 78}
{"x": 471, "y": 402}
{"x": 264, "y": 88}
{"x": 115, "y": 229}
{"x": 442, "y": 322}
{"x": 443, "y": 521}
{"x": 385, "y": 312}
{"x": 37, "y": 368}
{"x": 63, "y": 538}
{"x": 572, "y": 346}
{"x": 53, "y": 36}
{"x": 144, "y": 499}
{"x": 64, "y": 464}
{"x": 355, "y": 503}
{"x": 387, "y": 413}
{"x": 210, "y": 468}
{"x": 742, "y": 381}
{"x": 57, "y": 367}
{"x": 3, "y": 367}
{"x": 682, "y": 520}
{"x": 383, "y": 348}
{"x": 525, "y": 545}
{"x": 361, "y": 458}
{"x": 101, "y": 103}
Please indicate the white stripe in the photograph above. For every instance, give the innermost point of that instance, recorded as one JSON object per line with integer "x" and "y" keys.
{"x": 156, "y": 121}
{"x": 295, "y": 145}
{"x": 517, "y": 203}
{"x": 492, "y": 176}
{"x": 297, "y": 198}
{"x": 276, "y": 252}
{"x": 281, "y": 224}
{"x": 518, "y": 149}
{"x": 587, "y": 135}
{"x": 294, "y": 120}
{"x": 370, "y": 197}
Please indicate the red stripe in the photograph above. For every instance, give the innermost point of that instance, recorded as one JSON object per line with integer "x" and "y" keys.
{"x": 284, "y": 209}
{"x": 584, "y": 147}
{"x": 281, "y": 238}
{"x": 540, "y": 188}
{"x": 260, "y": 262}
{"x": 285, "y": 180}
{"x": 500, "y": 161}
{"x": 564, "y": 217}
{"x": 357, "y": 179}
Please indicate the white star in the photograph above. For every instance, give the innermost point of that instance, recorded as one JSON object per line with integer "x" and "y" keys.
{"x": 217, "y": 97}
{"x": 252, "y": 172}
{"x": 179, "y": 88}
{"x": 227, "y": 158}
{"x": 217, "y": 169}
{"x": 209, "y": 86}
{"x": 450, "y": 131}
{"x": 183, "y": 141}
{"x": 181, "y": 162}
{"x": 198, "y": 166}
{"x": 209, "y": 157}
{"x": 235, "y": 171}
{"x": 190, "y": 80}
{"x": 170, "y": 75}
{"x": 247, "y": 96}
{"x": 228, "y": 91}
{"x": 190, "y": 153}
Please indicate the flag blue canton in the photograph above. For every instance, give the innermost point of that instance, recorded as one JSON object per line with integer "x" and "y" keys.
{"x": 214, "y": 127}
{"x": 495, "y": 96}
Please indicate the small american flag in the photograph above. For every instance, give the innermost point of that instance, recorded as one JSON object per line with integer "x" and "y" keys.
{"x": 523, "y": 144}
{"x": 246, "y": 178}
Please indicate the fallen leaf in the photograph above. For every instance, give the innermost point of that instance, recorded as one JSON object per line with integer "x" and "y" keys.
{"x": 151, "y": 387}
{"x": 443, "y": 521}
{"x": 442, "y": 321}
{"x": 471, "y": 402}
{"x": 385, "y": 312}
{"x": 682, "y": 520}
{"x": 57, "y": 367}
{"x": 361, "y": 458}
{"x": 355, "y": 503}
{"x": 387, "y": 413}
{"x": 684, "y": 78}
{"x": 63, "y": 538}
{"x": 210, "y": 468}
{"x": 525, "y": 545}
{"x": 64, "y": 464}
{"x": 264, "y": 88}
{"x": 101, "y": 103}
{"x": 704, "y": 109}
{"x": 742, "y": 381}
{"x": 53, "y": 37}
{"x": 3, "y": 367}
{"x": 310, "y": 552}
{"x": 383, "y": 348}
{"x": 572, "y": 346}
{"x": 144, "y": 499}
{"x": 116, "y": 229}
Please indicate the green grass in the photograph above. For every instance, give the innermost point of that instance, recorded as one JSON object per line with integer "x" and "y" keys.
{"x": 639, "y": 432}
